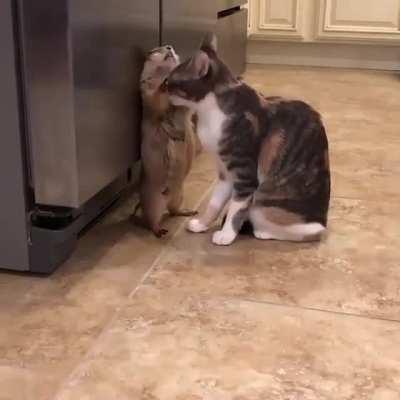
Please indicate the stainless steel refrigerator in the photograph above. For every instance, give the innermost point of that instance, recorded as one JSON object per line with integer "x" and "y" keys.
{"x": 70, "y": 112}
{"x": 184, "y": 24}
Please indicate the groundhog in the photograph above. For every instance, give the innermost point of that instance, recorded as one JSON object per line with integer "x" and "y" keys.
{"x": 168, "y": 144}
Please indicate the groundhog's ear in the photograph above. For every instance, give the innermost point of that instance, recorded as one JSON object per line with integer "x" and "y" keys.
{"x": 210, "y": 42}
{"x": 200, "y": 64}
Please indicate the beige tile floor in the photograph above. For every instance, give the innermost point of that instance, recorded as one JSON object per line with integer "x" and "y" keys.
{"x": 130, "y": 317}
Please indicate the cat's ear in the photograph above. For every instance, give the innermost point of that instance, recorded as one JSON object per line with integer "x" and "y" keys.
{"x": 200, "y": 64}
{"x": 210, "y": 42}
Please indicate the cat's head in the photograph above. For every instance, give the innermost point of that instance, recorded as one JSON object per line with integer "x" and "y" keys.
{"x": 202, "y": 74}
{"x": 159, "y": 63}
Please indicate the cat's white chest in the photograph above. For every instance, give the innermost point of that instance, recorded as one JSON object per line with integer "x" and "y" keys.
{"x": 210, "y": 123}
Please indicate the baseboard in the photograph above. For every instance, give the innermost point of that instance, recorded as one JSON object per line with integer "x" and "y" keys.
{"x": 376, "y": 57}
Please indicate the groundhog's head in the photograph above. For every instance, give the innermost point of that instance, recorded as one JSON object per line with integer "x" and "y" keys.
{"x": 160, "y": 62}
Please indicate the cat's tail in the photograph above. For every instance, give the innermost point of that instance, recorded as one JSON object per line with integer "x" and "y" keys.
{"x": 292, "y": 233}
{"x": 303, "y": 231}
{"x": 297, "y": 232}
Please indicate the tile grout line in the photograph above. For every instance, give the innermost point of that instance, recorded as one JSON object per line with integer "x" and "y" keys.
{"x": 305, "y": 308}
{"x": 364, "y": 200}
{"x": 167, "y": 248}
{"x": 106, "y": 328}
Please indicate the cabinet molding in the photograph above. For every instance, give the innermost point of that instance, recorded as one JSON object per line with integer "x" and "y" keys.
{"x": 335, "y": 55}
{"x": 277, "y": 19}
{"x": 359, "y": 20}
{"x": 279, "y": 15}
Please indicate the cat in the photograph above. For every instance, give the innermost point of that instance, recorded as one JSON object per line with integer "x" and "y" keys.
{"x": 272, "y": 153}
{"x": 168, "y": 144}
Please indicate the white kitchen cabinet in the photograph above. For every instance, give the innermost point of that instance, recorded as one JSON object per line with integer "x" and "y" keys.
{"x": 359, "y": 20}
{"x": 330, "y": 33}
{"x": 353, "y": 21}
{"x": 277, "y": 19}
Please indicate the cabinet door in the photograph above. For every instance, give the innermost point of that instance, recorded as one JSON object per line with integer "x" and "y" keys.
{"x": 359, "y": 20}
{"x": 277, "y": 19}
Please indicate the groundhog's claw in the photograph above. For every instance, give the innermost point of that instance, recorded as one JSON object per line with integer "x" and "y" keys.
{"x": 160, "y": 233}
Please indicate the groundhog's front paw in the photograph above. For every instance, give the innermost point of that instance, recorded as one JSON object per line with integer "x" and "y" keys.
{"x": 221, "y": 238}
{"x": 196, "y": 226}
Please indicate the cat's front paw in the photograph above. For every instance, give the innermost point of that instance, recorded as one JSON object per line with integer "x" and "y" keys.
{"x": 196, "y": 226}
{"x": 221, "y": 238}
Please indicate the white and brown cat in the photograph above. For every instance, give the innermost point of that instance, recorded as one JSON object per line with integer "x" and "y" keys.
{"x": 272, "y": 153}
{"x": 168, "y": 144}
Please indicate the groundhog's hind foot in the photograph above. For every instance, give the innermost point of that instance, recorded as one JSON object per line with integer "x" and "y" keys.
{"x": 160, "y": 232}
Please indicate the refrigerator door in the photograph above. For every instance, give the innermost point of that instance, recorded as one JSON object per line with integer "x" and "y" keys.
{"x": 81, "y": 63}
{"x": 185, "y": 22}
{"x": 227, "y": 4}
{"x": 232, "y": 40}
{"x": 14, "y": 251}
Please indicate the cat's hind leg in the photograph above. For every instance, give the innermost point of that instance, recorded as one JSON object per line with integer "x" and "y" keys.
{"x": 272, "y": 223}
